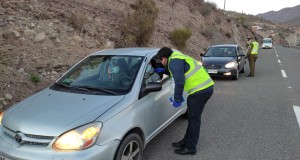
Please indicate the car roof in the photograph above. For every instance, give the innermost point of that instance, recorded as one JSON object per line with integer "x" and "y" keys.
{"x": 225, "y": 45}
{"x": 139, "y": 51}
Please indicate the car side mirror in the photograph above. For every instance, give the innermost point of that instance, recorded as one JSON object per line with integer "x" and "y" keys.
{"x": 201, "y": 54}
{"x": 153, "y": 87}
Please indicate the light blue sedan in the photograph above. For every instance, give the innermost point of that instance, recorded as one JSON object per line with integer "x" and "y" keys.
{"x": 101, "y": 108}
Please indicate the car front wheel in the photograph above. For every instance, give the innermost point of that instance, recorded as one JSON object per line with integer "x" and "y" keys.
{"x": 236, "y": 76}
{"x": 131, "y": 148}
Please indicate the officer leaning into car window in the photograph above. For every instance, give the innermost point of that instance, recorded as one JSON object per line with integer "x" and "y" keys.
{"x": 150, "y": 75}
{"x": 252, "y": 55}
{"x": 189, "y": 75}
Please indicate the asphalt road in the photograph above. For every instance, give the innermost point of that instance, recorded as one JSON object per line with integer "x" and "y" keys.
{"x": 249, "y": 119}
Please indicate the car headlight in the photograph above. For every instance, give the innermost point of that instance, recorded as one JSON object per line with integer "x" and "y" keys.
{"x": 1, "y": 116}
{"x": 230, "y": 65}
{"x": 78, "y": 139}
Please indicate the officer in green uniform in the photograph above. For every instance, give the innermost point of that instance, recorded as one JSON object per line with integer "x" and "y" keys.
{"x": 190, "y": 76}
{"x": 252, "y": 55}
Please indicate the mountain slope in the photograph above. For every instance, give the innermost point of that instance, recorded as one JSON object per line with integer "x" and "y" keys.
{"x": 295, "y": 20}
{"x": 283, "y": 15}
{"x": 41, "y": 39}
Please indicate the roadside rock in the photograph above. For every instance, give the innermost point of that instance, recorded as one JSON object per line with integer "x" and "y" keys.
{"x": 109, "y": 44}
{"x": 55, "y": 39}
{"x": 11, "y": 34}
{"x": 29, "y": 32}
{"x": 22, "y": 71}
{"x": 39, "y": 38}
{"x": 90, "y": 44}
{"x": 8, "y": 97}
{"x": 77, "y": 39}
{"x": 5, "y": 103}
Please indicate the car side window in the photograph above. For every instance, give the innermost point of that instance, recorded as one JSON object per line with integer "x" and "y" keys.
{"x": 150, "y": 76}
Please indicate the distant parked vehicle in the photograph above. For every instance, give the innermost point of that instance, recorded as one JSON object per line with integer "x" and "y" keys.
{"x": 286, "y": 45}
{"x": 267, "y": 43}
{"x": 224, "y": 60}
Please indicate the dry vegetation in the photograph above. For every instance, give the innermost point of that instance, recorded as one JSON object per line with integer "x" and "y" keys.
{"x": 41, "y": 39}
{"x": 180, "y": 36}
{"x": 138, "y": 27}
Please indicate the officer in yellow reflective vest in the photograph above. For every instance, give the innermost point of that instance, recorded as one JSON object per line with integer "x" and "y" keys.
{"x": 190, "y": 76}
{"x": 252, "y": 55}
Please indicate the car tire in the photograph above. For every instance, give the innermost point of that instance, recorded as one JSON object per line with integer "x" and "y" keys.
{"x": 131, "y": 147}
{"x": 236, "y": 76}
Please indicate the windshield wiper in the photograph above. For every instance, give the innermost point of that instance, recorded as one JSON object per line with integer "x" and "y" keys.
{"x": 69, "y": 86}
{"x": 85, "y": 88}
{"x": 62, "y": 84}
{"x": 99, "y": 89}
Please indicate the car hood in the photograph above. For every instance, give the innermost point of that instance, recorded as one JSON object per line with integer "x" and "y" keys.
{"x": 52, "y": 112}
{"x": 216, "y": 60}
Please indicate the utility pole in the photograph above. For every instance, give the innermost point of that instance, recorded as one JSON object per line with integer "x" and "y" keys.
{"x": 224, "y": 4}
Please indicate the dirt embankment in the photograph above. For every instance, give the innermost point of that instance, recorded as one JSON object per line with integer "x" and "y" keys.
{"x": 41, "y": 39}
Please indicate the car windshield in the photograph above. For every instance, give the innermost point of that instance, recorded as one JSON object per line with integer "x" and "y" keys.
{"x": 267, "y": 41}
{"x": 225, "y": 51}
{"x": 102, "y": 74}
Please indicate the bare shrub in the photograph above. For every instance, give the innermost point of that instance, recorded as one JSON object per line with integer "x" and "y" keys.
{"x": 218, "y": 20}
{"x": 212, "y": 5}
{"x": 208, "y": 33}
{"x": 228, "y": 19}
{"x": 205, "y": 10}
{"x": 241, "y": 19}
{"x": 228, "y": 35}
{"x": 35, "y": 78}
{"x": 180, "y": 36}
{"x": 78, "y": 20}
{"x": 138, "y": 27}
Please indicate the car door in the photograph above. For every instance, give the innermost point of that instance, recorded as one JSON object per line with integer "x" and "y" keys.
{"x": 241, "y": 58}
{"x": 159, "y": 111}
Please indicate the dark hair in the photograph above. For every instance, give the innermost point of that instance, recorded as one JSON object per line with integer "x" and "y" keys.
{"x": 164, "y": 52}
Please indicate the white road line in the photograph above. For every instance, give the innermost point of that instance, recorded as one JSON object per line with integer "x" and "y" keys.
{"x": 276, "y": 55}
{"x": 297, "y": 112}
{"x": 283, "y": 74}
{"x": 279, "y": 61}
{"x": 289, "y": 87}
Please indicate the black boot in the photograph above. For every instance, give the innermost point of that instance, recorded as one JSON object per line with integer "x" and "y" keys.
{"x": 185, "y": 151}
{"x": 179, "y": 144}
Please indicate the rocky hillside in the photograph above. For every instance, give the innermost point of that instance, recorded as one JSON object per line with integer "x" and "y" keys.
{"x": 291, "y": 15}
{"x": 41, "y": 39}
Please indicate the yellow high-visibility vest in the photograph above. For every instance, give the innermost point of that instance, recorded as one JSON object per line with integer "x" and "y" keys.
{"x": 255, "y": 47}
{"x": 196, "y": 78}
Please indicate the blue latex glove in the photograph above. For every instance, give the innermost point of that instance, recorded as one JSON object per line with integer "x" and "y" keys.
{"x": 159, "y": 70}
{"x": 176, "y": 104}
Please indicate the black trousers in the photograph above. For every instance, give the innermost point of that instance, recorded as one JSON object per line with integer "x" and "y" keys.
{"x": 195, "y": 103}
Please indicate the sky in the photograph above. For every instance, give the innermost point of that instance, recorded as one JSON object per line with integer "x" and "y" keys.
{"x": 254, "y": 7}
